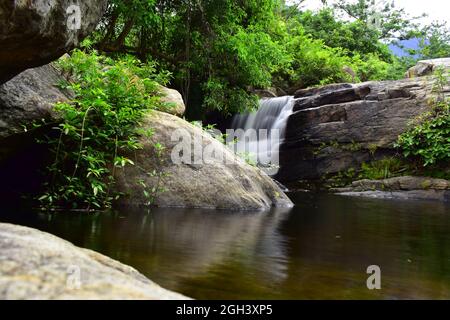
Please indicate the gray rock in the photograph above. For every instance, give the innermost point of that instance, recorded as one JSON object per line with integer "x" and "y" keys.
{"x": 33, "y": 33}
{"x": 406, "y": 183}
{"x": 174, "y": 101}
{"x": 337, "y": 127}
{"x": 215, "y": 185}
{"x": 37, "y": 265}
{"x": 427, "y": 67}
{"x": 29, "y": 97}
{"x": 419, "y": 188}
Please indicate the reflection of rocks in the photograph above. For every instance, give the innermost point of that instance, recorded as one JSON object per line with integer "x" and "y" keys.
{"x": 37, "y": 265}
{"x": 178, "y": 245}
{"x": 210, "y": 239}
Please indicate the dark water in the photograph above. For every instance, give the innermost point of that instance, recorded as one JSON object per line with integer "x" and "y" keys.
{"x": 318, "y": 250}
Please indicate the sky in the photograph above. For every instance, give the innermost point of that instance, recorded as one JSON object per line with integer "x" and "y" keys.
{"x": 436, "y": 9}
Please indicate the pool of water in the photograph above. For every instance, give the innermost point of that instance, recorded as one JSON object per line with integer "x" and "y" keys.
{"x": 318, "y": 250}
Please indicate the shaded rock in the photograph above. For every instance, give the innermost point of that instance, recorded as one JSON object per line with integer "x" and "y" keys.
{"x": 427, "y": 67}
{"x": 33, "y": 33}
{"x": 192, "y": 182}
{"x": 29, "y": 97}
{"x": 37, "y": 265}
{"x": 174, "y": 101}
{"x": 338, "y": 127}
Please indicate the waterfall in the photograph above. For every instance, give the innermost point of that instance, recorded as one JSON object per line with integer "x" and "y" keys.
{"x": 259, "y": 134}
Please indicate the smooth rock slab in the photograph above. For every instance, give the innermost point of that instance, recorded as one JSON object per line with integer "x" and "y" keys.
{"x": 37, "y": 265}
{"x": 434, "y": 195}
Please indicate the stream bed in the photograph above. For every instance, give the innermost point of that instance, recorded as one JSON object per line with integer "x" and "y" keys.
{"x": 320, "y": 249}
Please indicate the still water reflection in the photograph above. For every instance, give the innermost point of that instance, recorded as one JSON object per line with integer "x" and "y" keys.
{"x": 318, "y": 250}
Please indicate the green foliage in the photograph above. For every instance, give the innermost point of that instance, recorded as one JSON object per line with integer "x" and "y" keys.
{"x": 97, "y": 127}
{"x": 355, "y": 37}
{"x": 429, "y": 141}
{"x": 220, "y": 51}
{"x": 383, "y": 169}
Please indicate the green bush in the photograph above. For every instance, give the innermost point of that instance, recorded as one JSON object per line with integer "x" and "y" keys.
{"x": 429, "y": 141}
{"x": 97, "y": 127}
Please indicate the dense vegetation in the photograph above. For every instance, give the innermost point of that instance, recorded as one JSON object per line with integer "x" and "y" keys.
{"x": 217, "y": 53}
{"x": 98, "y": 126}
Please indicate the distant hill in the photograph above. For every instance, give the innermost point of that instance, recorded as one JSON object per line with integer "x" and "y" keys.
{"x": 407, "y": 44}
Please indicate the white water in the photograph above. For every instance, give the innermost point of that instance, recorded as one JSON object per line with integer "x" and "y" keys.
{"x": 264, "y": 131}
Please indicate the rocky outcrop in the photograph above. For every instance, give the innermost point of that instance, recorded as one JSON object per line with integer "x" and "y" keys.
{"x": 33, "y": 33}
{"x": 219, "y": 181}
{"x": 37, "y": 265}
{"x": 417, "y": 188}
{"x": 427, "y": 67}
{"x": 337, "y": 127}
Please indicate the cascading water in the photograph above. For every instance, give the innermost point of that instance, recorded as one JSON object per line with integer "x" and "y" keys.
{"x": 260, "y": 134}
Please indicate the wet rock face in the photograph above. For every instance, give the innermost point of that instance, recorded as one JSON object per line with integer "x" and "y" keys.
{"x": 33, "y": 33}
{"x": 338, "y": 127}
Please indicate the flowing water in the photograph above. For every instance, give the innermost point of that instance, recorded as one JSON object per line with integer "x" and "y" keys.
{"x": 320, "y": 249}
{"x": 260, "y": 134}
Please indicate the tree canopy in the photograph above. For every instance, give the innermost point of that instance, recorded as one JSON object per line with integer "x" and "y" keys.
{"x": 220, "y": 51}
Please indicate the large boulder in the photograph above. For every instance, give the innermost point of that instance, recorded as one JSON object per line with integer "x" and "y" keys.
{"x": 338, "y": 127}
{"x": 37, "y": 265}
{"x": 28, "y": 98}
{"x": 224, "y": 181}
{"x": 33, "y": 33}
{"x": 427, "y": 67}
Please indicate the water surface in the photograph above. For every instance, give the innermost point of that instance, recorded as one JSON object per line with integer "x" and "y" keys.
{"x": 318, "y": 250}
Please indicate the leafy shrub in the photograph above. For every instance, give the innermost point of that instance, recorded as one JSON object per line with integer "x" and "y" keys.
{"x": 383, "y": 169}
{"x": 429, "y": 141}
{"x": 97, "y": 127}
